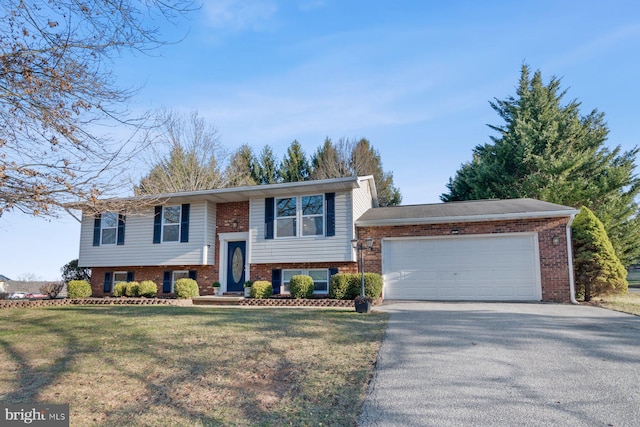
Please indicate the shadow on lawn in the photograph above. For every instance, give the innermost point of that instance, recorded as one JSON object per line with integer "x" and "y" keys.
{"x": 178, "y": 376}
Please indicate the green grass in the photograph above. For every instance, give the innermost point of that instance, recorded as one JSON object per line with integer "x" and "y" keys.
{"x": 190, "y": 366}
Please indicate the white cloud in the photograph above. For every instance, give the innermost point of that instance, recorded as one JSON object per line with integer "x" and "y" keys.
{"x": 241, "y": 15}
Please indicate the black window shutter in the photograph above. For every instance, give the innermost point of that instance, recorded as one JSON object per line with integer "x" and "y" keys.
{"x": 130, "y": 276}
{"x": 184, "y": 223}
{"x": 107, "y": 282}
{"x": 157, "y": 224}
{"x": 276, "y": 280}
{"x": 96, "y": 230}
{"x": 330, "y": 206}
{"x": 332, "y": 272}
{"x": 121, "y": 221}
{"x": 269, "y": 206}
{"x": 166, "y": 282}
{"x": 193, "y": 274}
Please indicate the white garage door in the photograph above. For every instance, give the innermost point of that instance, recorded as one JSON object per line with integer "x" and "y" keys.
{"x": 490, "y": 268}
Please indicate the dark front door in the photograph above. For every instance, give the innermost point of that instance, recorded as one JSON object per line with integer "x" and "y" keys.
{"x": 236, "y": 252}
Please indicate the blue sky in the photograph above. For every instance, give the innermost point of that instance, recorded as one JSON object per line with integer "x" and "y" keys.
{"x": 414, "y": 77}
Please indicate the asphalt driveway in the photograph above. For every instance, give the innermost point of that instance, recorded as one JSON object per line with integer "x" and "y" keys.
{"x": 500, "y": 364}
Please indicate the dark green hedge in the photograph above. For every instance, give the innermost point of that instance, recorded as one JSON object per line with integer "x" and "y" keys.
{"x": 347, "y": 286}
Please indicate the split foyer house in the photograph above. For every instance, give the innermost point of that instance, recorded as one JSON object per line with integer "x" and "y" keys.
{"x": 482, "y": 250}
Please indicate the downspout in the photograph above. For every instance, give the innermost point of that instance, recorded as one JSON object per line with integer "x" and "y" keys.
{"x": 572, "y": 284}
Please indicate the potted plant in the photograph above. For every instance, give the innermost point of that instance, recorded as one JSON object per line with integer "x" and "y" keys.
{"x": 247, "y": 288}
{"x": 216, "y": 288}
{"x": 363, "y": 304}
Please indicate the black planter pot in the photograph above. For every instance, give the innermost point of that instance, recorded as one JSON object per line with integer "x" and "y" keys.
{"x": 363, "y": 307}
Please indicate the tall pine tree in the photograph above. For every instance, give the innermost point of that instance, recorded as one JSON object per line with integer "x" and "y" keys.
{"x": 548, "y": 151}
{"x": 294, "y": 166}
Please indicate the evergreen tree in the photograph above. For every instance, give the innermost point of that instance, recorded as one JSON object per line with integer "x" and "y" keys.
{"x": 267, "y": 166}
{"x": 294, "y": 166}
{"x": 548, "y": 151}
{"x": 597, "y": 268}
{"x": 365, "y": 160}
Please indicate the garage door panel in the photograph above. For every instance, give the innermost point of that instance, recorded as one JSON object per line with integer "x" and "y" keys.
{"x": 470, "y": 268}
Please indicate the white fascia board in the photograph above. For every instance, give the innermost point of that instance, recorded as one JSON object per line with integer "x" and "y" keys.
{"x": 467, "y": 218}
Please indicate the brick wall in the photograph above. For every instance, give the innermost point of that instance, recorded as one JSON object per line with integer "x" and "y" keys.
{"x": 205, "y": 276}
{"x": 554, "y": 267}
{"x": 263, "y": 271}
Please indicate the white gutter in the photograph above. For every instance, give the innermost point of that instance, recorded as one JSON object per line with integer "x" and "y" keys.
{"x": 465, "y": 218}
{"x": 572, "y": 284}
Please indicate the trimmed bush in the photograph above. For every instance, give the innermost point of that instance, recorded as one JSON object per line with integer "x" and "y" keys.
{"x": 147, "y": 288}
{"x": 78, "y": 289}
{"x": 339, "y": 286}
{"x": 597, "y": 268}
{"x": 132, "y": 289}
{"x": 261, "y": 289}
{"x": 301, "y": 286}
{"x": 120, "y": 289}
{"x": 348, "y": 286}
{"x": 186, "y": 288}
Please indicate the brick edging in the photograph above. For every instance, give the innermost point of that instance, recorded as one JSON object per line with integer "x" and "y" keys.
{"x": 247, "y": 302}
{"x": 91, "y": 301}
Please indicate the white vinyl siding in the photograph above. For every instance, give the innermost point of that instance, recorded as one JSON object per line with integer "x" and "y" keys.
{"x": 139, "y": 249}
{"x": 304, "y": 248}
{"x": 362, "y": 199}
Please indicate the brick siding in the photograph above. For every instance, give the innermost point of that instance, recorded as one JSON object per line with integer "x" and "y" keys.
{"x": 205, "y": 276}
{"x": 554, "y": 267}
{"x": 263, "y": 271}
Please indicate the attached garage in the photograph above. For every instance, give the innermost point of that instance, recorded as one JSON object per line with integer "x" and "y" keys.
{"x": 496, "y": 268}
{"x": 487, "y": 250}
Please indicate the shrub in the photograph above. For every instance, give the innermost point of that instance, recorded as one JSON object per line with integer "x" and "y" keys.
{"x": 348, "y": 286}
{"x": 261, "y": 289}
{"x": 52, "y": 289}
{"x": 78, "y": 289}
{"x": 120, "y": 289}
{"x": 301, "y": 286}
{"x": 186, "y": 288}
{"x": 597, "y": 268}
{"x": 132, "y": 289}
{"x": 339, "y": 286}
{"x": 147, "y": 288}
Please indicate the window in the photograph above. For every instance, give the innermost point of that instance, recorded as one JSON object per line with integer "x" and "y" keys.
{"x": 286, "y": 213}
{"x": 312, "y": 215}
{"x": 171, "y": 223}
{"x": 320, "y": 279}
{"x": 286, "y": 278}
{"x": 299, "y": 216}
{"x": 119, "y": 277}
{"x": 109, "y": 228}
{"x": 177, "y": 275}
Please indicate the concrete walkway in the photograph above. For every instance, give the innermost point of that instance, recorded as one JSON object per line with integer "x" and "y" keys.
{"x": 500, "y": 364}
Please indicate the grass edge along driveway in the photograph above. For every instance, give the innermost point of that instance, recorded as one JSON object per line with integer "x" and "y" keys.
{"x": 189, "y": 366}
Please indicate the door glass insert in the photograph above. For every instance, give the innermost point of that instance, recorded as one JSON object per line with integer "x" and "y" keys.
{"x": 237, "y": 265}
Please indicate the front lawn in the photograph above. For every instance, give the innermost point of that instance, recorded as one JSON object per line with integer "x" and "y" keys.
{"x": 190, "y": 366}
{"x": 629, "y": 303}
